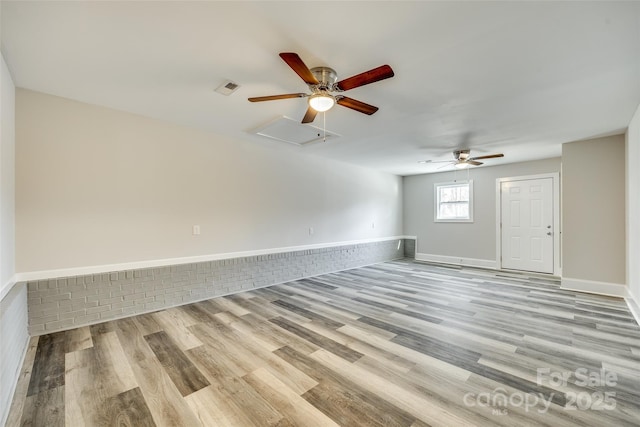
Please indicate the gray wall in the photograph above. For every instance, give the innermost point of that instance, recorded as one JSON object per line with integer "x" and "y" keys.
{"x": 633, "y": 208}
{"x": 593, "y": 210}
{"x": 7, "y": 176}
{"x": 475, "y": 240}
{"x": 13, "y": 301}
{"x": 96, "y": 186}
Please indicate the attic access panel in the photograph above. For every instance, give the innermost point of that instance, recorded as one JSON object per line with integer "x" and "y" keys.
{"x": 293, "y": 132}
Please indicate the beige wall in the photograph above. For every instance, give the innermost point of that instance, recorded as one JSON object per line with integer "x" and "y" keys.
{"x": 475, "y": 240}
{"x": 593, "y": 210}
{"x": 633, "y": 207}
{"x": 97, "y": 186}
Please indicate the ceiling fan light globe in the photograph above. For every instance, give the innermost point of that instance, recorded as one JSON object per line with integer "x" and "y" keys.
{"x": 321, "y": 102}
{"x": 461, "y": 165}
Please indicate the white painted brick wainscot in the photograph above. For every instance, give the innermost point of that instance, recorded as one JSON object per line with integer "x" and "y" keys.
{"x": 68, "y": 302}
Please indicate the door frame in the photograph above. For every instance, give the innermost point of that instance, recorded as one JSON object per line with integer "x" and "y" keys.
{"x": 557, "y": 226}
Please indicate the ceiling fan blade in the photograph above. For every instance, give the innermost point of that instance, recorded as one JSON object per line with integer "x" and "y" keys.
{"x": 489, "y": 156}
{"x": 309, "y": 116}
{"x": 473, "y": 162}
{"x": 296, "y": 64}
{"x": 354, "y": 104}
{"x": 371, "y": 76}
{"x": 276, "y": 97}
{"x": 444, "y": 166}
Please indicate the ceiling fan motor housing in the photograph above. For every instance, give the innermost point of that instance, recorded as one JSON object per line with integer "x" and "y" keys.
{"x": 326, "y": 76}
{"x": 461, "y": 154}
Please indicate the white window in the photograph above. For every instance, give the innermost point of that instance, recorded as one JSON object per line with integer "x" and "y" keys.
{"x": 454, "y": 201}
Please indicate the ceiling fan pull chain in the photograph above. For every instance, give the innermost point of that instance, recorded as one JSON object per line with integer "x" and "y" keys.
{"x": 324, "y": 126}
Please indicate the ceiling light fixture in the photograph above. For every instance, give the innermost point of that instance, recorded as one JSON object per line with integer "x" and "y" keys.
{"x": 461, "y": 165}
{"x": 321, "y": 101}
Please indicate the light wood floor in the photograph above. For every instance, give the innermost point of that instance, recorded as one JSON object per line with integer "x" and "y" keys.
{"x": 395, "y": 344}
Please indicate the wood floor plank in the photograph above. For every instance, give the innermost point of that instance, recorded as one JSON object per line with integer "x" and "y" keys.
{"x": 317, "y": 339}
{"x": 307, "y": 313}
{"x": 114, "y": 363}
{"x": 342, "y": 400}
{"x": 411, "y": 402}
{"x": 78, "y": 339}
{"x": 93, "y": 376}
{"x": 229, "y": 305}
{"x": 249, "y": 355}
{"x": 198, "y": 312}
{"x": 275, "y": 335}
{"x": 259, "y": 306}
{"x": 219, "y": 340}
{"x": 392, "y": 360}
{"x": 226, "y": 317}
{"x": 175, "y": 323}
{"x": 45, "y": 408}
{"x": 211, "y": 409}
{"x": 409, "y": 354}
{"x": 433, "y": 347}
{"x": 131, "y": 336}
{"x": 233, "y": 395}
{"x": 147, "y": 324}
{"x": 22, "y": 386}
{"x": 48, "y": 366}
{"x": 76, "y": 377}
{"x": 165, "y": 402}
{"x": 127, "y": 409}
{"x": 455, "y": 336}
{"x": 182, "y": 372}
{"x": 286, "y": 400}
{"x": 443, "y": 391}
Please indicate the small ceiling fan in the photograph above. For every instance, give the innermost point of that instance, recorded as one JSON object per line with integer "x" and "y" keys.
{"x": 463, "y": 159}
{"x": 322, "y": 82}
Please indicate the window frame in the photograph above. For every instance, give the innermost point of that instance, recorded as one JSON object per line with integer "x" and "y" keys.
{"x": 437, "y": 203}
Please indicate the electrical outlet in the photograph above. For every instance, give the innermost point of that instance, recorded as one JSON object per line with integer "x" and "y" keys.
{"x": 311, "y": 231}
{"x": 373, "y": 225}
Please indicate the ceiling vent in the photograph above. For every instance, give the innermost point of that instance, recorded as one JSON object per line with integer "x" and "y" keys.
{"x": 293, "y": 132}
{"x": 227, "y": 87}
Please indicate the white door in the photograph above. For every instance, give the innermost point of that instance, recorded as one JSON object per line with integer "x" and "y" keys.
{"x": 527, "y": 224}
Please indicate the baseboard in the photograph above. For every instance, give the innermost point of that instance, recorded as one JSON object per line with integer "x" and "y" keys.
{"x": 593, "y": 287}
{"x": 634, "y": 307}
{"x": 137, "y": 265}
{"x": 467, "y": 262}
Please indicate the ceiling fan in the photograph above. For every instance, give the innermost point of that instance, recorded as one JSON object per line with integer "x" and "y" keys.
{"x": 463, "y": 159}
{"x": 322, "y": 82}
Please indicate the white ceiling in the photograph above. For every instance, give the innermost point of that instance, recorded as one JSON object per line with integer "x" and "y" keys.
{"x": 515, "y": 77}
